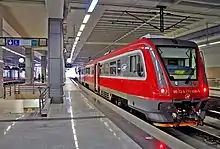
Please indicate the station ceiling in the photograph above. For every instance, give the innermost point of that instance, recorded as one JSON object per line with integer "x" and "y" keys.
{"x": 115, "y": 23}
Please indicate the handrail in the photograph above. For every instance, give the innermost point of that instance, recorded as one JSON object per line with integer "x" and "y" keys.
{"x": 43, "y": 97}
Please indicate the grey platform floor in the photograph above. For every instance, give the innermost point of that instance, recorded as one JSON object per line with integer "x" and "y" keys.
{"x": 80, "y": 133}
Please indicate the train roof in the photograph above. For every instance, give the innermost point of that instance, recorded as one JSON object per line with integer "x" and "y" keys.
{"x": 172, "y": 42}
{"x": 160, "y": 40}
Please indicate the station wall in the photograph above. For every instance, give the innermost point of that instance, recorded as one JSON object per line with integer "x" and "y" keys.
{"x": 212, "y": 60}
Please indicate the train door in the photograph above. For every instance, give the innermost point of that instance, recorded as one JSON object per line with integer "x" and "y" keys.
{"x": 97, "y": 73}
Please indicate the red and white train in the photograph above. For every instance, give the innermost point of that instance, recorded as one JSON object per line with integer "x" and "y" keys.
{"x": 162, "y": 78}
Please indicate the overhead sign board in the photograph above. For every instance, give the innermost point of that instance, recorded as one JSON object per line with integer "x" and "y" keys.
{"x": 30, "y": 42}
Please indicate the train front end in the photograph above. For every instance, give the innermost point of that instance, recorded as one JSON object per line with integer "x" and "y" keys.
{"x": 182, "y": 83}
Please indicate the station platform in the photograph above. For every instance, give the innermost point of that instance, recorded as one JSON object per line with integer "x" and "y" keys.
{"x": 76, "y": 124}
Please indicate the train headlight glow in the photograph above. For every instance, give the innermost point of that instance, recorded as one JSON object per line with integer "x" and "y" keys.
{"x": 163, "y": 90}
{"x": 204, "y": 89}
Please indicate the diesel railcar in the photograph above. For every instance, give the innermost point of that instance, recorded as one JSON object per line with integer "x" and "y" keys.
{"x": 162, "y": 78}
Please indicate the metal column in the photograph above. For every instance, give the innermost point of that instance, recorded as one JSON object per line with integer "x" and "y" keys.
{"x": 29, "y": 66}
{"x": 43, "y": 67}
{"x": 1, "y": 62}
{"x": 55, "y": 60}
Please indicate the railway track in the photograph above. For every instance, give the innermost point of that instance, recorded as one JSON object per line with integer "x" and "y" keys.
{"x": 197, "y": 136}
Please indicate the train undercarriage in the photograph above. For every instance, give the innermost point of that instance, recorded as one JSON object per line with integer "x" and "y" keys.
{"x": 178, "y": 113}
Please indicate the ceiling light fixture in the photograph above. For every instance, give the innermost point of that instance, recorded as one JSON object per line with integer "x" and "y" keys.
{"x": 82, "y": 27}
{"x": 86, "y": 18}
{"x": 213, "y": 43}
{"x": 77, "y": 39}
{"x": 92, "y": 5}
{"x": 79, "y": 34}
{"x": 75, "y": 43}
{"x": 203, "y": 45}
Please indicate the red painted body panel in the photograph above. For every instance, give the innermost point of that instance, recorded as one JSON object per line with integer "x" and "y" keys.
{"x": 149, "y": 88}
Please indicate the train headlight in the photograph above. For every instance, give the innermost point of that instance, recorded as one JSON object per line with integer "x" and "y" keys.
{"x": 174, "y": 115}
{"x": 204, "y": 89}
{"x": 163, "y": 91}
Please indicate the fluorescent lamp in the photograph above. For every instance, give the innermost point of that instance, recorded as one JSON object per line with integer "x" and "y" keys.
{"x": 9, "y": 50}
{"x": 213, "y": 43}
{"x": 92, "y": 5}
{"x": 77, "y": 39}
{"x": 82, "y": 27}
{"x": 203, "y": 45}
{"x": 86, "y": 18}
{"x": 79, "y": 34}
{"x": 71, "y": 55}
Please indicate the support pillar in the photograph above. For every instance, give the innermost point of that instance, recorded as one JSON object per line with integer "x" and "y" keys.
{"x": 1, "y": 62}
{"x": 29, "y": 66}
{"x": 43, "y": 68}
{"x": 55, "y": 59}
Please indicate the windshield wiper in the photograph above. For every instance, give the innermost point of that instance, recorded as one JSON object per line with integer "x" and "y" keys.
{"x": 190, "y": 75}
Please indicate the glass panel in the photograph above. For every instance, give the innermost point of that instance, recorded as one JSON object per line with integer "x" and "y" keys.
{"x": 119, "y": 67}
{"x": 180, "y": 62}
{"x": 113, "y": 68}
{"x": 133, "y": 64}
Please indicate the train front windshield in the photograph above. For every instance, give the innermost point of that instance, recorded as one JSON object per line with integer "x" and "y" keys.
{"x": 180, "y": 62}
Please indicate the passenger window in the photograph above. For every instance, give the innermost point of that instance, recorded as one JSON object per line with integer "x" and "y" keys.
{"x": 119, "y": 67}
{"x": 133, "y": 64}
{"x": 140, "y": 68}
{"x": 92, "y": 70}
{"x": 136, "y": 65}
{"x": 113, "y": 68}
{"x": 106, "y": 68}
{"x": 100, "y": 69}
{"x": 88, "y": 71}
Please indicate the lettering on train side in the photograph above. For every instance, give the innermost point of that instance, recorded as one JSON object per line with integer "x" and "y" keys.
{"x": 178, "y": 91}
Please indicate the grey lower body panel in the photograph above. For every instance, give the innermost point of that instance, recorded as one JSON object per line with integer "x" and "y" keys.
{"x": 150, "y": 107}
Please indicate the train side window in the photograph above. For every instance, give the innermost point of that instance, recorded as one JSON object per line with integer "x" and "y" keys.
{"x": 113, "y": 68}
{"x": 133, "y": 64}
{"x": 119, "y": 67}
{"x": 140, "y": 68}
{"x": 106, "y": 69}
{"x": 100, "y": 69}
{"x": 88, "y": 71}
{"x": 92, "y": 70}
